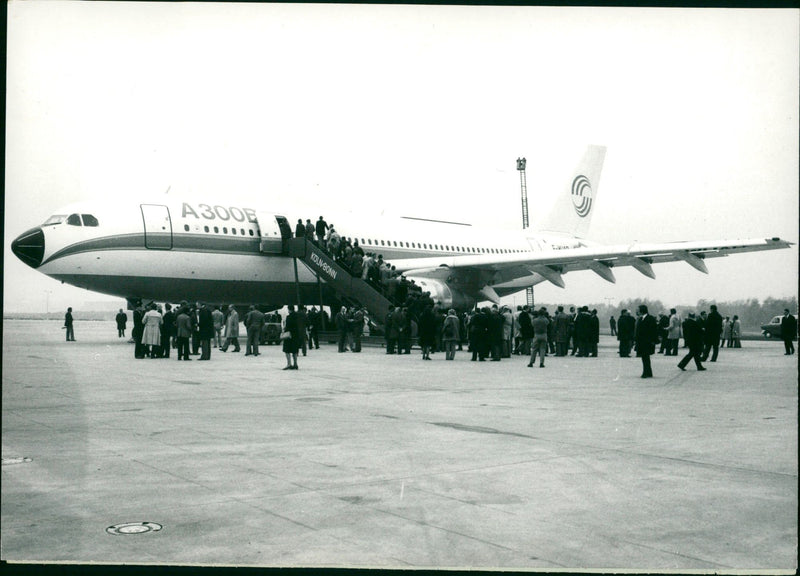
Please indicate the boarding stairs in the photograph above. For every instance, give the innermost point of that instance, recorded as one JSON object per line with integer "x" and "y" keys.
{"x": 349, "y": 288}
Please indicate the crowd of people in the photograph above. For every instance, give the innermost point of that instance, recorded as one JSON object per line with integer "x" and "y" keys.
{"x": 490, "y": 333}
{"x": 193, "y": 329}
{"x": 368, "y": 266}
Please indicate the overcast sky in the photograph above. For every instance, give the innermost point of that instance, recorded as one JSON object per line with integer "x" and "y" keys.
{"x": 421, "y": 111}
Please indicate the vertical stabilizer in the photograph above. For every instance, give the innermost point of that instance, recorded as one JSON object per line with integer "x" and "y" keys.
{"x": 572, "y": 212}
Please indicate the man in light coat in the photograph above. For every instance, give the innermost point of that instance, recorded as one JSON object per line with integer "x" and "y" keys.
{"x": 219, "y": 322}
{"x": 673, "y": 333}
{"x": 231, "y": 330}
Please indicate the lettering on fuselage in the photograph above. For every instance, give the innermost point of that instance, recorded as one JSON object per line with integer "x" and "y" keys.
{"x": 324, "y": 266}
{"x": 224, "y": 213}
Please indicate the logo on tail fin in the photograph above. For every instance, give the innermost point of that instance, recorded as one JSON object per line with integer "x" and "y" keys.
{"x": 582, "y": 195}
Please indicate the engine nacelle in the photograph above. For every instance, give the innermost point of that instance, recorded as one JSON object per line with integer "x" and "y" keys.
{"x": 441, "y": 292}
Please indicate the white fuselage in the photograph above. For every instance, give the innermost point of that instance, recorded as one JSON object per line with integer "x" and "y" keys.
{"x": 173, "y": 249}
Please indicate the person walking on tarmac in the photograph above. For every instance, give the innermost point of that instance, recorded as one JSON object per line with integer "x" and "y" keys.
{"x": 693, "y": 335}
{"x": 231, "y": 330}
{"x": 712, "y": 331}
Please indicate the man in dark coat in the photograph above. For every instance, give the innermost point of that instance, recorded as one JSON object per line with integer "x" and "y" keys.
{"x": 525, "y": 331}
{"x": 183, "y": 331}
{"x": 788, "y": 331}
{"x": 572, "y": 316}
{"x": 646, "y": 339}
{"x": 626, "y": 330}
{"x": 122, "y": 321}
{"x": 562, "y": 326}
{"x": 254, "y": 322}
{"x": 402, "y": 319}
{"x": 427, "y": 331}
{"x": 342, "y": 327}
{"x": 302, "y": 325}
{"x": 583, "y": 330}
{"x": 693, "y": 336}
{"x": 495, "y": 331}
{"x": 314, "y": 321}
{"x": 357, "y": 328}
{"x": 712, "y": 333}
{"x": 167, "y": 330}
{"x": 478, "y": 339}
{"x": 594, "y": 333}
{"x": 205, "y": 331}
{"x": 390, "y": 328}
{"x": 138, "y": 331}
{"x": 322, "y": 229}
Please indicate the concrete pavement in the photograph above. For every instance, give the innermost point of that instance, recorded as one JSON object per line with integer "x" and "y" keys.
{"x": 369, "y": 460}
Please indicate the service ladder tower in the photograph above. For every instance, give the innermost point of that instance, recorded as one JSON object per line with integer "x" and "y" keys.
{"x": 521, "y": 162}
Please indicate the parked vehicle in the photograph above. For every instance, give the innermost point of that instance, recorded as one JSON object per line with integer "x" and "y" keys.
{"x": 773, "y": 328}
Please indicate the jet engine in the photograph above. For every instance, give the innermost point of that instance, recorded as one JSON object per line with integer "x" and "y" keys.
{"x": 441, "y": 292}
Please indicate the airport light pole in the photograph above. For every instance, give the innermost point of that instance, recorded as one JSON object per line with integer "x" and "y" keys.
{"x": 521, "y": 163}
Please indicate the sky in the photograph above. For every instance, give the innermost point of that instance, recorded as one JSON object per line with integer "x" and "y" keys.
{"x": 418, "y": 111}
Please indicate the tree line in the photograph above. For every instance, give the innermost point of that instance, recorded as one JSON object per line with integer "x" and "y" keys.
{"x": 752, "y": 312}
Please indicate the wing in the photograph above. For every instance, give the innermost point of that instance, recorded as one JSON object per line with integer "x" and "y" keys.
{"x": 551, "y": 264}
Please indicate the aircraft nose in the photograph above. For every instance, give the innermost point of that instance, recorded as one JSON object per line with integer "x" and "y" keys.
{"x": 29, "y": 247}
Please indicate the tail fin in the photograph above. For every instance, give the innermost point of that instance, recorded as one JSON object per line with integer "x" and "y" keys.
{"x": 572, "y": 212}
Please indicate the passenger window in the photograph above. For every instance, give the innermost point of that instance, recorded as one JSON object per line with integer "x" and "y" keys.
{"x": 216, "y": 229}
{"x": 225, "y": 230}
{"x": 89, "y": 220}
{"x": 251, "y": 232}
{"x": 205, "y": 228}
{"x": 186, "y": 227}
{"x": 74, "y": 220}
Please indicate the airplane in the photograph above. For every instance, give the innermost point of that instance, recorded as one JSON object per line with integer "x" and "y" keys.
{"x": 170, "y": 249}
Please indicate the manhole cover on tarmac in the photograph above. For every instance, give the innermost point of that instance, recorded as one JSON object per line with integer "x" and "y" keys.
{"x": 133, "y": 528}
{"x": 8, "y": 461}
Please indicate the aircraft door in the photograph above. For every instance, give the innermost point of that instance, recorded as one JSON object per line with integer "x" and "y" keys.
{"x": 272, "y": 232}
{"x": 157, "y": 227}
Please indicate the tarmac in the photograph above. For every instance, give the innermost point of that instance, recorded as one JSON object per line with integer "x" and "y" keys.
{"x": 376, "y": 461}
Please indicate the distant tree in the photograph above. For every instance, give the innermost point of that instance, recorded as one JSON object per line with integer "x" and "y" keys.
{"x": 653, "y": 306}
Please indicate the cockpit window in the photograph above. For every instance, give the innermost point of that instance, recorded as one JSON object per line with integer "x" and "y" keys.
{"x": 55, "y": 219}
{"x": 89, "y": 220}
{"x": 74, "y": 220}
